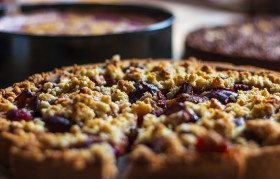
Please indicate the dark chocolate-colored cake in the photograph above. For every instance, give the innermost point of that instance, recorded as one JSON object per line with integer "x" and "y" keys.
{"x": 255, "y": 41}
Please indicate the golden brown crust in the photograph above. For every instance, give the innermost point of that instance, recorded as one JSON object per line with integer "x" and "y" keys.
{"x": 185, "y": 165}
{"x": 58, "y": 166}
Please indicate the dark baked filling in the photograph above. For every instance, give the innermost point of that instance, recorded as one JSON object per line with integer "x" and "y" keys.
{"x": 74, "y": 22}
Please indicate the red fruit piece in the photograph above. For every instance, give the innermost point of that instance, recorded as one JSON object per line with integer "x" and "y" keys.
{"x": 242, "y": 87}
{"x": 191, "y": 97}
{"x": 223, "y": 95}
{"x": 182, "y": 116}
{"x": 18, "y": 115}
{"x": 175, "y": 107}
{"x": 157, "y": 111}
{"x": 204, "y": 145}
{"x": 161, "y": 104}
{"x": 160, "y": 96}
{"x": 185, "y": 88}
{"x": 150, "y": 88}
{"x": 34, "y": 105}
{"x": 177, "y": 114}
{"x": 136, "y": 94}
{"x": 29, "y": 101}
{"x": 95, "y": 82}
{"x": 110, "y": 81}
{"x": 22, "y": 99}
{"x": 57, "y": 124}
{"x": 143, "y": 87}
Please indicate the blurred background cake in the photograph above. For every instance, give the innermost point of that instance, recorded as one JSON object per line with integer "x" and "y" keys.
{"x": 254, "y": 41}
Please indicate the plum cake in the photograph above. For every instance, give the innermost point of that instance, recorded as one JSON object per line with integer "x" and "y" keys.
{"x": 143, "y": 118}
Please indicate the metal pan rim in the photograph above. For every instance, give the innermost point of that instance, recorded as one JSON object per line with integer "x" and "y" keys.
{"x": 153, "y": 27}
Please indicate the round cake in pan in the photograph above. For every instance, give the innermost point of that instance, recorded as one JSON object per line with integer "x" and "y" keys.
{"x": 74, "y": 22}
{"x": 143, "y": 119}
{"x": 254, "y": 41}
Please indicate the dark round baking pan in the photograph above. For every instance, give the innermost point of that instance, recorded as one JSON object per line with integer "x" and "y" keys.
{"x": 23, "y": 54}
